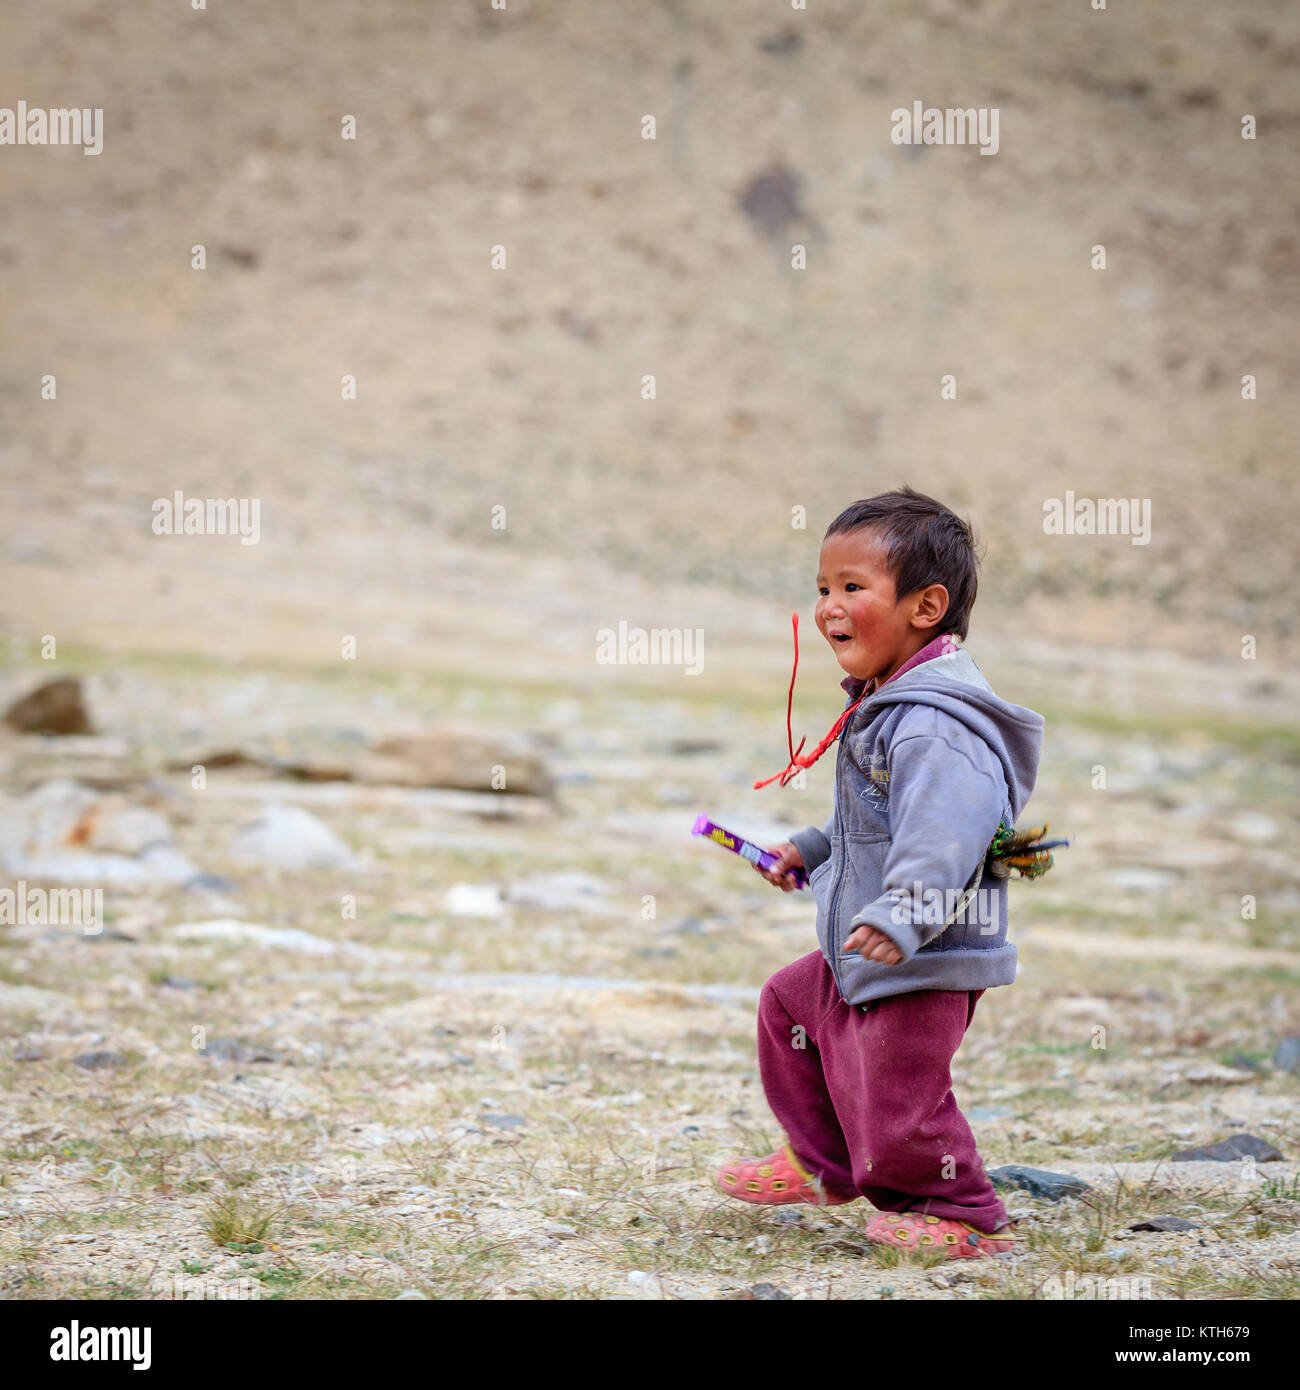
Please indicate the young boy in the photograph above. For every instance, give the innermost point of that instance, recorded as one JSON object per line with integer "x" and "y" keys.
{"x": 855, "y": 1041}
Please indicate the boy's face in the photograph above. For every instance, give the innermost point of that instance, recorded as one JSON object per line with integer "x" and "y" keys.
{"x": 858, "y": 611}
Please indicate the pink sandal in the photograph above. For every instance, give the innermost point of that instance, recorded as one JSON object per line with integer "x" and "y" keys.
{"x": 911, "y": 1230}
{"x": 779, "y": 1177}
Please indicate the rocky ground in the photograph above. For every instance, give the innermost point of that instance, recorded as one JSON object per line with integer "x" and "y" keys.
{"x": 472, "y": 1028}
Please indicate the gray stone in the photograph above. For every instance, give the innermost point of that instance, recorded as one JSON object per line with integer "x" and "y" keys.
{"x": 781, "y": 45}
{"x": 97, "y": 1061}
{"x": 231, "y": 1050}
{"x": 505, "y": 1121}
{"x": 771, "y": 200}
{"x": 1038, "y": 1182}
{"x": 211, "y": 883}
{"x": 689, "y": 747}
{"x": 1162, "y": 1223}
{"x": 1287, "y": 1056}
{"x": 988, "y": 1112}
{"x": 1231, "y": 1150}
{"x": 107, "y": 934}
{"x": 411, "y": 1294}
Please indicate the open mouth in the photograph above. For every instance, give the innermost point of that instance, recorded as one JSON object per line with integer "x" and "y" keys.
{"x": 841, "y": 637}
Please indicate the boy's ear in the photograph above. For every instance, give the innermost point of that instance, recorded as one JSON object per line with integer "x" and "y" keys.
{"x": 929, "y": 605}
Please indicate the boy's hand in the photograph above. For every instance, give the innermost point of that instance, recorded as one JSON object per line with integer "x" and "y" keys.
{"x": 872, "y": 944}
{"x": 790, "y": 858}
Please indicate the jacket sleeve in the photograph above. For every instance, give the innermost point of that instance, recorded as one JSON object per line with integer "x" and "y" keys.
{"x": 814, "y": 845}
{"x": 945, "y": 802}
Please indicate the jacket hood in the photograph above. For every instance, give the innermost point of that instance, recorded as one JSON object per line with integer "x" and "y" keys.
{"x": 954, "y": 684}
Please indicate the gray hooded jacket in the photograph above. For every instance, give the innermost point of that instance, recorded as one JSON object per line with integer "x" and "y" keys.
{"x": 925, "y": 769}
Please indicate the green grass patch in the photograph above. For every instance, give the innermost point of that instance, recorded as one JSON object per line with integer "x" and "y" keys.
{"x": 234, "y": 1221}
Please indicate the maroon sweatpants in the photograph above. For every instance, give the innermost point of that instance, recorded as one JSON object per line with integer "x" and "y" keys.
{"x": 866, "y": 1097}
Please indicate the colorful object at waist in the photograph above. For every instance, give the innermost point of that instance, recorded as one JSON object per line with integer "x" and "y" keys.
{"x": 737, "y": 844}
{"x": 1023, "y": 851}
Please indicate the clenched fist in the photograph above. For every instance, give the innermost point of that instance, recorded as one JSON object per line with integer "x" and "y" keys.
{"x": 781, "y": 877}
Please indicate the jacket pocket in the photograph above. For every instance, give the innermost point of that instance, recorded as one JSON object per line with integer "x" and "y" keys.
{"x": 864, "y": 871}
{"x": 820, "y": 881}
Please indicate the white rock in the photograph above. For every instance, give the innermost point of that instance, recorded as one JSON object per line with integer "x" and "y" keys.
{"x": 1212, "y": 1074}
{"x": 43, "y": 819}
{"x": 287, "y": 837}
{"x": 70, "y": 834}
{"x": 130, "y": 830}
{"x": 16, "y": 999}
{"x": 159, "y": 864}
{"x": 411, "y": 1293}
{"x": 227, "y": 929}
{"x": 1253, "y": 828}
{"x": 1136, "y": 879}
{"x": 474, "y": 900}
{"x": 562, "y": 892}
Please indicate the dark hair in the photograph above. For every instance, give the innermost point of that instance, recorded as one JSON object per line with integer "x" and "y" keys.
{"x": 927, "y": 544}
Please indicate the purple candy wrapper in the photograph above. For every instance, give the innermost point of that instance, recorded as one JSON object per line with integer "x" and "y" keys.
{"x": 737, "y": 844}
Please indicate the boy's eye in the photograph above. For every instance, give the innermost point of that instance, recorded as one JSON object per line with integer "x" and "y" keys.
{"x": 853, "y": 586}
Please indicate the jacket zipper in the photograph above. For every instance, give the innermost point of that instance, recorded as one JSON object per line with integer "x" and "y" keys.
{"x": 831, "y": 925}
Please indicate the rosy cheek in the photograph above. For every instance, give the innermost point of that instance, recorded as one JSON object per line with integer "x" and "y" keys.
{"x": 866, "y": 619}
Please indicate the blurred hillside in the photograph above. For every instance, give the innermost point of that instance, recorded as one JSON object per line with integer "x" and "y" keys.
{"x": 521, "y": 387}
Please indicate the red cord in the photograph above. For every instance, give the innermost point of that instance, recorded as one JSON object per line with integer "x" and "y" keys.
{"x": 797, "y": 759}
